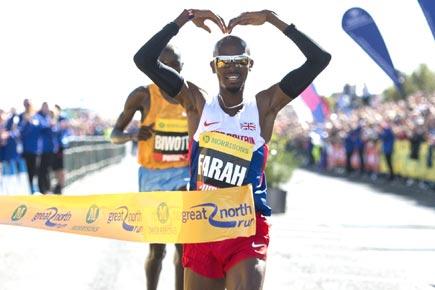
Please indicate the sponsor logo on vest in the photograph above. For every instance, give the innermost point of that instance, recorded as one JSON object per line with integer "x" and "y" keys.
{"x": 220, "y": 218}
{"x": 172, "y": 125}
{"x": 248, "y": 139}
{"x": 123, "y": 215}
{"x": 171, "y": 143}
{"x": 161, "y": 125}
{"x": 215, "y": 168}
{"x": 211, "y": 123}
{"x": 52, "y": 217}
{"x": 19, "y": 213}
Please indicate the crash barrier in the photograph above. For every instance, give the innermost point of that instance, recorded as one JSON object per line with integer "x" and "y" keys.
{"x": 333, "y": 156}
{"x": 83, "y": 156}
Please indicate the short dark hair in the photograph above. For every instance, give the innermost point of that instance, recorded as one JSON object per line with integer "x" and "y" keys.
{"x": 232, "y": 40}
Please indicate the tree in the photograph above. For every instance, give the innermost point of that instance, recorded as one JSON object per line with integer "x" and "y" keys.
{"x": 424, "y": 79}
{"x": 281, "y": 162}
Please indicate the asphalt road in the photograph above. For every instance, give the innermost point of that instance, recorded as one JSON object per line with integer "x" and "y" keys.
{"x": 335, "y": 235}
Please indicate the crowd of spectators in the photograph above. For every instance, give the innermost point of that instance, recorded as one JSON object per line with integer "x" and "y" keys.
{"x": 34, "y": 140}
{"x": 393, "y": 138}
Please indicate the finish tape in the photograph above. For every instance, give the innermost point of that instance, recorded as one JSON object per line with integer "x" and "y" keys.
{"x": 152, "y": 217}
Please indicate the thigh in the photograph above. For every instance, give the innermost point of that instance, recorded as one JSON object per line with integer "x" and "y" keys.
{"x": 246, "y": 275}
{"x": 30, "y": 161}
{"x": 194, "y": 281}
{"x": 46, "y": 159}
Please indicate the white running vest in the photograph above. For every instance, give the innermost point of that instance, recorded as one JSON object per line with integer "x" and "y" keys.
{"x": 245, "y": 125}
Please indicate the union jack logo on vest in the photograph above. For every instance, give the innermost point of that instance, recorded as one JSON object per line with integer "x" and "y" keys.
{"x": 248, "y": 126}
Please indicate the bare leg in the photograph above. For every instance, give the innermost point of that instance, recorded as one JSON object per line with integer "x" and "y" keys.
{"x": 194, "y": 281}
{"x": 60, "y": 178}
{"x": 246, "y": 275}
{"x": 179, "y": 270}
{"x": 153, "y": 265}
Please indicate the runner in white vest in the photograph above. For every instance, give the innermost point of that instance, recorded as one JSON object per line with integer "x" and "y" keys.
{"x": 230, "y": 135}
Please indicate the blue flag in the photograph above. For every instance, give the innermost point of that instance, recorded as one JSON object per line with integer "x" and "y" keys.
{"x": 361, "y": 27}
{"x": 428, "y": 7}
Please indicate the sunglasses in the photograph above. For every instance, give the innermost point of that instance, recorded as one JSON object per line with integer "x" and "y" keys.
{"x": 225, "y": 60}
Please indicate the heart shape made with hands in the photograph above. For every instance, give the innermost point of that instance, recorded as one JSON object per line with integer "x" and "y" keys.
{"x": 198, "y": 17}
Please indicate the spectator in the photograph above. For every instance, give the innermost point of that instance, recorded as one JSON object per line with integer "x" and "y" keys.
{"x": 61, "y": 132}
{"x": 11, "y": 154}
{"x": 30, "y": 127}
{"x": 48, "y": 144}
{"x": 387, "y": 137}
{"x": 349, "y": 147}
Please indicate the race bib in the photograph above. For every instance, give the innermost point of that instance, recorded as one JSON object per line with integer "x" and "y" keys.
{"x": 171, "y": 142}
{"x": 223, "y": 161}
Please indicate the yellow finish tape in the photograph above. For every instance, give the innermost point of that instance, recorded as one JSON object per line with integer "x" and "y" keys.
{"x": 154, "y": 217}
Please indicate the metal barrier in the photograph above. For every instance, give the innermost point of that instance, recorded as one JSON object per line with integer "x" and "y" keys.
{"x": 83, "y": 156}
{"x": 87, "y": 154}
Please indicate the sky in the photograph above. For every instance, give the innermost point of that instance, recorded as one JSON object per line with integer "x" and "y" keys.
{"x": 80, "y": 53}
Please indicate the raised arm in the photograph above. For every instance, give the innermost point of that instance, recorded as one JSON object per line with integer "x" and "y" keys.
{"x": 136, "y": 101}
{"x": 147, "y": 58}
{"x": 298, "y": 79}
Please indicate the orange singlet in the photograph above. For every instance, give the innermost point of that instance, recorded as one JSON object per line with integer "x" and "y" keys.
{"x": 168, "y": 147}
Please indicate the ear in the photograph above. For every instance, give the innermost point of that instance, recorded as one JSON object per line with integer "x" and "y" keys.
{"x": 213, "y": 68}
{"x": 251, "y": 64}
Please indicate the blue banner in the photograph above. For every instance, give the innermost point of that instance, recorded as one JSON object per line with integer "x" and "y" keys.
{"x": 361, "y": 27}
{"x": 428, "y": 7}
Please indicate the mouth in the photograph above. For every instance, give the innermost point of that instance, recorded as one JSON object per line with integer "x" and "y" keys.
{"x": 233, "y": 77}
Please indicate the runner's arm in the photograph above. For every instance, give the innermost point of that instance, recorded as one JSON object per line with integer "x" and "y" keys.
{"x": 132, "y": 105}
{"x": 296, "y": 81}
{"x": 146, "y": 59}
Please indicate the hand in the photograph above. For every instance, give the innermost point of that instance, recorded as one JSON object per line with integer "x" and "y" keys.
{"x": 250, "y": 18}
{"x": 198, "y": 17}
{"x": 145, "y": 132}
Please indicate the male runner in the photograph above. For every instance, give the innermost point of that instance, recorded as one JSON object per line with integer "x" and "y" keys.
{"x": 162, "y": 152}
{"x": 230, "y": 119}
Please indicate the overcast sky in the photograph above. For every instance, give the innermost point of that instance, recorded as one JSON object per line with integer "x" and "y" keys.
{"x": 80, "y": 53}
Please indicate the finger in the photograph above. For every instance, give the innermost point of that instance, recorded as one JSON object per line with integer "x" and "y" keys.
{"x": 222, "y": 21}
{"x": 144, "y": 131}
{"x": 143, "y": 137}
{"x": 150, "y": 126}
{"x": 233, "y": 22}
{"x": 218, "y": 21}
{"x": 202, "y": 25}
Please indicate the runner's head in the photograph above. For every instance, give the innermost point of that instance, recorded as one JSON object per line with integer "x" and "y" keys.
{"x": 171, "y": 57}
{"x": 231, "y": 62}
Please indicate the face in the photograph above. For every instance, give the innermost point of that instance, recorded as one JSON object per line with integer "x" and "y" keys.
{"x": 231, "y": 64}
{"x": 171, "y": 59}
{"x": 45, "y": 108}
{"x": 27, "y": 104}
